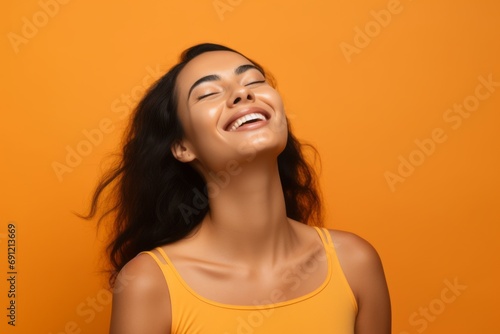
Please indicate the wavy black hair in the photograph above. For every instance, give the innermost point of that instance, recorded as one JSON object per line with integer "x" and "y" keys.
{"x": 147, "y": 187}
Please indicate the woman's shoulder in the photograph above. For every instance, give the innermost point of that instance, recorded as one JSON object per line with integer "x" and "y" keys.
{"x": 140, "y": 293}
{"x": 356, "y": 255}
{"x": 352, "y": 245}
{"x": 140, "y": 280}
{"x": 142, "y": 272}
{"x": 359, "y": 261}
{"x": 354, "y": 252}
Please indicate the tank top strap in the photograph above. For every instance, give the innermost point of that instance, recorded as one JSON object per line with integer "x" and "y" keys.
{"x": 325, "y": 236}
{"x": 338, "y": 272}
{"x": 153, "y": 255}
{"x": 155, "y": 258}
{"x": 162, "y": 260}
{"x": 163, "y": 255}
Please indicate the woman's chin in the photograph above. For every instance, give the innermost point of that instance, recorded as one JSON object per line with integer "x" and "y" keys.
{"x": 264, "y": 142}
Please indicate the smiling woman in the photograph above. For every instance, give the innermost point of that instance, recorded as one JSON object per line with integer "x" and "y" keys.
{"x": 249, "y": 258}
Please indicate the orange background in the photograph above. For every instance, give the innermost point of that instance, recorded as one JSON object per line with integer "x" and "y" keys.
{"x": 82, "y": 66}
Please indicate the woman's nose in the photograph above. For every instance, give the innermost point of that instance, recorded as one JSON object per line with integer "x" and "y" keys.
{"x": 241, "y": 94}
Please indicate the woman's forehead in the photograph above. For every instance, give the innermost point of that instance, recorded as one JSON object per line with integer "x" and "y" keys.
{"x": 208, "y": 63}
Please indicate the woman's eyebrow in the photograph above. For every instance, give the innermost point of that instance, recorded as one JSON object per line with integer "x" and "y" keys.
{"x": 214, "y": 77}
{"x": 211, "y": 77}
{"x": 243, "y": 68}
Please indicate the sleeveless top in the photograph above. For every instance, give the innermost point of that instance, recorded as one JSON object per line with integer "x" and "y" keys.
{"x": 331, "y": 308}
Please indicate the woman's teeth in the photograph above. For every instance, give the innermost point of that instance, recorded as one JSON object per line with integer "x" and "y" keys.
{"x": 246, "y": 118}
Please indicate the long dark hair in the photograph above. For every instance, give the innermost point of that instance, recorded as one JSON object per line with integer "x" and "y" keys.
{"x": 149, "y": 194}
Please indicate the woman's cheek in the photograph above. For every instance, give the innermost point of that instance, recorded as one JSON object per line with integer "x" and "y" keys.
{"x": 204, "y": 123}
{"x": 273, "y": 99}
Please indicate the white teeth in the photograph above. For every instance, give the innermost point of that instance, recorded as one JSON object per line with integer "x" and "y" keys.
{"x": 246, "y": 118}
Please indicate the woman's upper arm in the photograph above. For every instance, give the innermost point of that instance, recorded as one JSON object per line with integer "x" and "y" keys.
{"x": 141, "y": 302}
{"x": 364, "y": 272}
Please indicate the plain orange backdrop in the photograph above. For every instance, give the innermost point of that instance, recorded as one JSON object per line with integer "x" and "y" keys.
{"x": 394, "y": 95}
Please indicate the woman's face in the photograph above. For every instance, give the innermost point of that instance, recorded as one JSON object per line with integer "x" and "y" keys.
{"x": 228, "y": 112}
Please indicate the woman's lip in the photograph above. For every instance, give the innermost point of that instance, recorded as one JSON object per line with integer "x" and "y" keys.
{"x": 244, "y": 112}
{"x": 251, "y": 126}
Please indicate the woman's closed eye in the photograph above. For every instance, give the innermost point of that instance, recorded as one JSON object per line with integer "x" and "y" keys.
{"x": 255, "y": 82}
{"x": 201, "y": 97}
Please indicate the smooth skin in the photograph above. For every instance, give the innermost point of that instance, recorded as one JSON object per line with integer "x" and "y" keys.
{"x": 241, "y": 249}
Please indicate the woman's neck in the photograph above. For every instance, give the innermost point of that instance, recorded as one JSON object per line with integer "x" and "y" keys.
{"x": 247, "y": 218}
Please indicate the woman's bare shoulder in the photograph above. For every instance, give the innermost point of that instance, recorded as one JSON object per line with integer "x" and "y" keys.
{"x": 141, "y": 301}
{"x": 359, "y": 260}
{"x": 353, "y": 246}
{"x": 364, "y": 272}
{"x": 140, "y": 274}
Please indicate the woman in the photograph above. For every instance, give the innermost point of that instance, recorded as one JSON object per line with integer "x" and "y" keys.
{"x": 217, "y": 214}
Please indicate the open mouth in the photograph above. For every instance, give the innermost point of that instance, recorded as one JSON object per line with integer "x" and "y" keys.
{"x": 246, "y": 121}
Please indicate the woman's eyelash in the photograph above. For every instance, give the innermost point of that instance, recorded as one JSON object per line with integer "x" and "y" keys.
{"x": 255, "y": 82}
{"x": 248, "y": 84}
{"x": 204, "y": 96}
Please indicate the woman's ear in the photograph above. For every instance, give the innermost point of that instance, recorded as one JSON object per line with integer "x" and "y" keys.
{"x": 181, "y": 152}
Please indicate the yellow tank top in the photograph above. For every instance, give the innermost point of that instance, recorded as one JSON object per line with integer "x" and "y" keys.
{"x": 331, "y": 308}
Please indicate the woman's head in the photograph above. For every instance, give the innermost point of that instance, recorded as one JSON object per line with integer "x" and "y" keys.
{"x": 185, "y": 126}
{"x": 228, "y": 111}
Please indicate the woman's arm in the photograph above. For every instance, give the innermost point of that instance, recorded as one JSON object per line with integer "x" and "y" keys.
{"x": 141, "y": 301}
{"x": 364, "y": 272}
